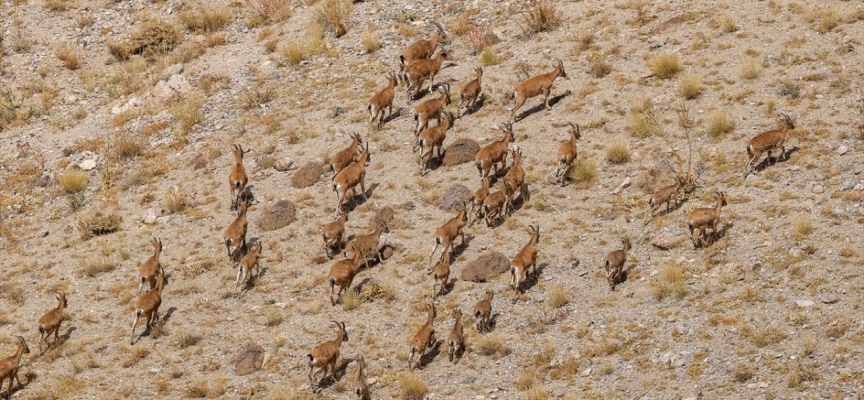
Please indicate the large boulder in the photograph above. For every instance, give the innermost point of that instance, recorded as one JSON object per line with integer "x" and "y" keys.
{"x": 278, "y": 215}
{"x": 486, "y": 267}
{"x": 384, "y": 216}
{"x": 455, "y": 194}
{"x": 308, "y": 174}
{"x": 249, "y": 360}
{"x": 461, "y": 151}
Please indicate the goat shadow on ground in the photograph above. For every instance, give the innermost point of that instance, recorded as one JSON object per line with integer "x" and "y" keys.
{"x": 397, "y": 112}
{"x": 68, "y": 333}
{"x": 764, "y": 164}
{"x": 493, "y": 322}
{"x": 471, "y": 109}
{"x": 715, "y": 237}
{"x": 553, "y": 100}
{"x": 353, "y": 203}
{"x": 431, "y": 354}
{"x": 533, "y": 278}
{"x": 339, "y": 372}
{"x": 242, "y": 250}
{"x": 434, "y": 162}
{"x": 167, "y": 316}
{"x": 521, "y": 201}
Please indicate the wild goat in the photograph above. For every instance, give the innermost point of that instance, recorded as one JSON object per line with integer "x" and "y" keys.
{"x": 494, "y": 153}
{"x": 432, "y": 138}
{"x": 238, "y": 178}
{"x": 470, "y": 92}
{"x": 666, "y": 195}
{"x": 244, "y": 267}
{"x": 383, "y": 100}
{"x": 456, "y": 338}
{"x": 325, "y": 355}
{"x": 364, "y": 246}
{"x": 424, "y": 338}
{"x": 477, "y": 200}
{"x": 615, "y": 272}
{"x": 567, "y": 154}
{"x": 441, "y": 272}
{"x": 9, "y": 367}
{"x": 342, "y": 273}
{"x": 432, "y": 108}
{"x": 496, "y": 205}
{"x": 149, "y": 304}
{"x": 235, "y": 233}
{"x": 533, "y": 86}
{"x": 525, "y": 260}
{"x": 701, "y": 220}
{"x": 361, "y": 389}
{"x": 483, "y": 311}
{"x": 332, "y": 234}
{"x": 148, "y": 269}
{"x": 423, "y": 48}
{"x": 50, "y": 322}
{"x": 767, "y": 142}
{"x": 350, "y": 177}
{"x": 419, "y": 71}
{"x": 515, "y": 178}
{"x": 447, "y": 233}
{"x": 344, "y": 158}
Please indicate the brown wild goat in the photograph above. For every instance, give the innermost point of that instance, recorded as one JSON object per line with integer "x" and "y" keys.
{"x": 149, "y": 304}
{"x": 470, "y": 92}
{"x": 614, "y": 265}
{"x": 477, "y": 200}
{"x": 9, "y": 367}
{"x": 496, "y": 205}
{"x": 383, "y": 100}
{"x": 368, "y": 245}
{"x": 423, "y": 48}
{"x": 361, "y": 389}
{"x": 148, "y": 269}
{"x": 424, "y": 338}
{"x": 235, "y": 232}
{"x": 332, "y": 234}
{"x": 350, "y": 177}
{"x": 524, "y": 260}
{"x": 567, "y": 154}
{"x": 344, "y": 158}
{"x": 419, "y": 71}
{"x": 515, "y": 178}
{"x": 441, "y": 272}
{"x": 325, "y": 355}
{"x": 701, "y": 220}
{"x": 665, "y": 195}
{"x": 767, "y": 142}
{"x": 341, "y": 274}
{"x": 456, "y": 338}
{"x": 494, "y": 153}
{"x": 432, "y": 108}
{"x": 536, "y": 85}
{"x": 245, "y": 266}
{"x": 238, "y": 178}
{"x": 447, "y": 233}
{"x": 483, "y": 311}
{"x": 430, "y": 139}
{"x": 50, "y": 322}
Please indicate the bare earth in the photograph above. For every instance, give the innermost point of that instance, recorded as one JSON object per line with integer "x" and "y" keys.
{"x": 771, "y": 309}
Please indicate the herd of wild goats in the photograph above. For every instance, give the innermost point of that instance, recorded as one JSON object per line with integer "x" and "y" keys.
{"x": 420, "y": 62}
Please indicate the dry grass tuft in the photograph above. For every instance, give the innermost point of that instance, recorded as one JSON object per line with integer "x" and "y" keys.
{"x": 56, "y": 5}
{"x": 802, "y": 228}
{"x": 672, "y": 281}
{"x": 557, "y": 296}
{"x": 269, "y": 11}
{"x": 334, "y": 14}
{"x": 690, "y": 85}
{"x": 718, "y": 123}
{"x": 205, "y": 18}
{"x": 69, "y": 56}
{"x": 618, "y": 152}
{"x": 540, "y": 16}
{"x": 829, "y": 18}
{"x": 728, "y": 24}
{"x": 665, "y": 66}
{"x": 187, "y": 111}
{"x": 370, "y": 40}
{"x": 99, "y": 224}
{"x": 154, "y": 38}
{"x": 597, "y": 65}
{"x": 72, "y": 181}
{"x": 751, "y": 68}
{"x": 640, "y": 120}
{"x": 583, "y": 173}
{"x": 175, "y": 200}
{"x": 294, "y": 52}
{"x": 492, "y": 345}
{"x": 126, "y": 147}
{"x": 489, "y": 57}
{"x": 412, "y": 387}
{"x": 92, "y": 268}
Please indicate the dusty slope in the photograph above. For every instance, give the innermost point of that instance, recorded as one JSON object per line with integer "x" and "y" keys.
{"x": 723, "y": 320}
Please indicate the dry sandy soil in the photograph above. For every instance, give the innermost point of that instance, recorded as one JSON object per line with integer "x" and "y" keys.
{"x": 769, "y": 310}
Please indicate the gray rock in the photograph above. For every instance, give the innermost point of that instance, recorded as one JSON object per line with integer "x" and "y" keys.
{"x": 249, "y": 359}
{"x": 461, "y": 151}
{"x": 384, "y": 216}
{"x": 454, "y": 194}
{"x": 848, "y": 185}
{"x": 828, "y": 298}
{"x": 133, "y": 102}
{"x": 283, "y": 165}
{"x": 175, "y": 69}
{"x": 804, "y": 303}
{"x": 486, "y": 267}
{"x": 87, "y": 165}
{"x": 150, "y": 216}
{"x": 818, "y": 189}
{"x": 277, "y": 216}
{"x": 796, "y": 252}
{"x": 842, "y": 150}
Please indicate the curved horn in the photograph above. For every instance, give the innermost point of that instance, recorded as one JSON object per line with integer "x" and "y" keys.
{"x": 440, "y": 28}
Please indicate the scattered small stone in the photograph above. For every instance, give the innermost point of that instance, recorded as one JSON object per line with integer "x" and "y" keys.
{"x": 828, "y": 298}
{"x": 848, "y": 185}
{"x": 283, "y": 165}
{"x": 818, "y": 189}
{"x": 175, "y": 69}
{"x": 804, "y": 303}
{"x": 150, "y": 216}
{"x": 87, "y": 165}
{"x": 796, "y": 252}
{"x": 586, "y": 372}
{"x": 666, "y": 241}
{"x": 842, "y": 150}
{"x": 859, "y": 187}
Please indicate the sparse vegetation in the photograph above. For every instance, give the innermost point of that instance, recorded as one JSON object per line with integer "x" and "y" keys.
{"x": 618, "y": 152}
{"x": 672, "y": 281}
{"x": 489, "y": 57}
{"x": 208, "y": 18}
{"x": 557, "y": 296}
{"x": 583, "y": 173}
{"x": 665, "y": 65}
{"x": 72, "y": 181}
{"x": 690, "y": 85}
{"x": 412, "y": 386}
{"x": 540, "y": 16}
{"x": 69, "y": 56}
{"x": 597, "y": 65}
{"x": 719, "y": 123}
{"x": 370, "y": 40}
{"x": 335, "y": 15}
{"x": 751, "y": 68}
